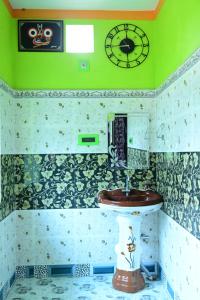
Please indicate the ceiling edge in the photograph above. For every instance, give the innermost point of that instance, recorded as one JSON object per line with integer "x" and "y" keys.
{"x": 83, "y": 14}
{"x": 8, "y": 6}
{"x": 158, "y": 8}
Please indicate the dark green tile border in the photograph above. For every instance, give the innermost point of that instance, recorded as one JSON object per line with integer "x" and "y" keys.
{"x": 178, "y": 181}
{"x": 55, "y": 181}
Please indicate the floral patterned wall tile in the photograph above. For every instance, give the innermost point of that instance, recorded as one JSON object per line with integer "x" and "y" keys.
{"x": 75, "y": 236}
{"x": 7, "y": 248}
{"x": 52, "y": 126}
{"x": 175, "y": 138}
{"x": 6, "y": 140}
{"x": 138, "y": 159}
{"x": 7, "y": 123}
{"x": 177, "y": 116}
{"x": 7, "y": 185}
{"x": 177, "y": 179}
{"x": 71, "y": 180}
{"x": 176, "y": 124}
{"x": 43, "y": 126}
{"x": 179, "y": 257}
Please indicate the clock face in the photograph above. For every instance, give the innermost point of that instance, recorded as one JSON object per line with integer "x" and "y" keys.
{"x": 127, "y": 45}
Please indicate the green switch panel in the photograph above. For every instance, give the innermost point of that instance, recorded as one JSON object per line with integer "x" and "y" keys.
{"x": 88, "y": 139}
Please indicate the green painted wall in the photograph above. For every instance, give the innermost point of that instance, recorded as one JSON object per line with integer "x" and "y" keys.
{"x": 5, "y": 45}
{"x": 177, "y": 36}
{"x": 173, "y": 36}
{"x": 61, "y": 70}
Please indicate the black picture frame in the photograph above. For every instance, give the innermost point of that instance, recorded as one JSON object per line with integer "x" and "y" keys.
{"x": 40, "y": 36}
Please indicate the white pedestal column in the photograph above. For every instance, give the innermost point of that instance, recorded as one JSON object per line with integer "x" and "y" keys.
{"x": 128, "y": 277}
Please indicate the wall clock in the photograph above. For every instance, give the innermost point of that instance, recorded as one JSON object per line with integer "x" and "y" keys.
{"x": 127, "y": 45}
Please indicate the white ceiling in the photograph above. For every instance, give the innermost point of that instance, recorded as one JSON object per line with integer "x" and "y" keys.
{"x": 86, "y": 4}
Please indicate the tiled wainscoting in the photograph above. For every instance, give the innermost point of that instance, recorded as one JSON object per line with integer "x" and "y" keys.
{"x": 80, "y": 242}
{"x": 75, "y": 242}
{"x": 75, "y": 236}
{"x": 176, "y": 139}
{"x": 7, "y": 253}
{"x": 179, "y": 253}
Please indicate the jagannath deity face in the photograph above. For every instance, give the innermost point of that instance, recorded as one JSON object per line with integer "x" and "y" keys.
{"x": 40, "y": 36}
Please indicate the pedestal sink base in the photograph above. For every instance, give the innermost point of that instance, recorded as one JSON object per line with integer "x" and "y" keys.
{"x": 128, "y": 281}
{"x": 129, "y": 209}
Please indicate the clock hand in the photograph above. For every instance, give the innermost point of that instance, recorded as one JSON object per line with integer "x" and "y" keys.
{"x": 123, "y": 42}
{"x": 125, "y": 46}
{"x": 121, "y": 46}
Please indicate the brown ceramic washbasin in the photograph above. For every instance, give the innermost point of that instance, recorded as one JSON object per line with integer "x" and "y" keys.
{"x": 134, "y": 198}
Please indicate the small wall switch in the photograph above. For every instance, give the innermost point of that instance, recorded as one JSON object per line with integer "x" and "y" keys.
{"x": 84, "y": 66}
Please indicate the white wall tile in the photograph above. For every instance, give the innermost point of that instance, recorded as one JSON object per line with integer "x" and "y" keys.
{"x": 176, "y": 123}
{"x": 7, "y": 248}
{"x": 179, "y": 254}
{"x": 74, "y": 236}
{"x": 52, "y": 125}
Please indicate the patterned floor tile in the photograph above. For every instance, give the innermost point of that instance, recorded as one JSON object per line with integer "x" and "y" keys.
{"x": 98, "y": 287}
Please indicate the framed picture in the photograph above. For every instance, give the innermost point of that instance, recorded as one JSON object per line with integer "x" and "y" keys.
{"x": 40, "y": 36}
